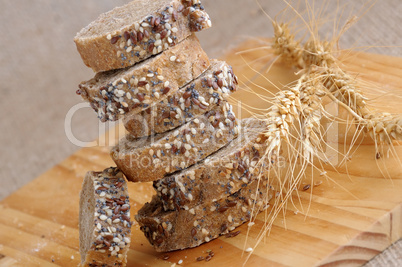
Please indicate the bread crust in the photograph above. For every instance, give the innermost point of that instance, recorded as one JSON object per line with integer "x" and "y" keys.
{"x": 219, "y": 175}
{"x": 105, "y": 233}
{"x": 139, "y": 40}
{"x": 112, "y": 94}
{"x": 214, "y": 86}
{"x": 181, "y": 229}
{"x": 151, "y": 158}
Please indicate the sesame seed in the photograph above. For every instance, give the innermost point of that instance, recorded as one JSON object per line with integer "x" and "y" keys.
{"x": 230, "y": 218}
{"x": 174, "y": 29}
{"x": 150, "y": 75}
{"x": 209, "y": 23}
{"x": 158, "y": 43}
{"x": 103, "y": 217}
{"x": 160, "y": 77}
{"x": 109, "y": 36}
{"x": 180, "y": 262}
{"x": 249, "y": 250}
{"x": 172, "y": 58}
{"x": 205, "y": 141}
{"x": 168, "y": 146}
{"x": 128, "y": 50}
{"x": 151, "y": 152}
{"x": 192, "y": 211}
{"x": 207, "y": 239}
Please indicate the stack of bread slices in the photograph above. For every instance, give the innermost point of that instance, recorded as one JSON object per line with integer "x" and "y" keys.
{"x": 152, "y": 73}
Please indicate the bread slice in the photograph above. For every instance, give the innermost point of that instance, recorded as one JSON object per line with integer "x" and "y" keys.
{"x": 213, "y": 86}
{"x": 104, "y": 219}
{"x": 150, "y": 158}
{"x": 219, "y": 175}
{"x": 136, "y": 31}
{"x": 181, "y": 229}
{"x": 114, "y": 93}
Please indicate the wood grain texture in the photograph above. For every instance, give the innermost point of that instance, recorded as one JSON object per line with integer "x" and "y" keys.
{"x": 339, "y": 227}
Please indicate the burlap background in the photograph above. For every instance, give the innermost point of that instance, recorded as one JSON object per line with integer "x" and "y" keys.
{"x": 40, "y": 69}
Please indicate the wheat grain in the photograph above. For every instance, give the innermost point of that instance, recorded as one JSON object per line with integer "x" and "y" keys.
{"x": 284, "y": 45}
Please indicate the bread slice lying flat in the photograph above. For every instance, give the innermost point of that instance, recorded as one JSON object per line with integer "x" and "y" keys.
{"x": 212, "y": 87}
{"x": 114, "y": 93}
{"x": 181, "y": 229}
{"x": 150, "y": 158}
{"x": 104, "y": 219}
{"x": 133, "y": 32}
{"x": 219, "y": 175}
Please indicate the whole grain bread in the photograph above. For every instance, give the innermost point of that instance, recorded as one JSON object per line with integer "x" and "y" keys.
{"x": 114, "y": 93}
{"x": 136, "y": 31}
{"x": 181, "y": 229}
{"x": 151, "y": 158}
{"x": 219, "y": 175}
{"x": 104, "y": 219}
{"x": 212, "y": 87}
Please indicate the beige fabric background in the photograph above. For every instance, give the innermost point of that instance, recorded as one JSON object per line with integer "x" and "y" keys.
{"x": 40, "y": 68}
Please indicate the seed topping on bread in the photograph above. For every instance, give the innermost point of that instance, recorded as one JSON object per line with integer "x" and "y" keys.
{"x": 158, "y": 32}
{"x": 114, "y": 93}
{"x": 112, "y": 211}
{"x": 185, "y": 104}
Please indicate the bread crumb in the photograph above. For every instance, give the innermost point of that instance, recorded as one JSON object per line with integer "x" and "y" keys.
{"x": 180, "y": 262}
{"x": 72, "y": 257}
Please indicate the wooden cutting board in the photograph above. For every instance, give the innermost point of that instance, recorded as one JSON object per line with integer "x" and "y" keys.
{"x": 348, "y": 221}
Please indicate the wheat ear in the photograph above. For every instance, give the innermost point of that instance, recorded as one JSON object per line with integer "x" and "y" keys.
{"x": 382, "y": 127}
